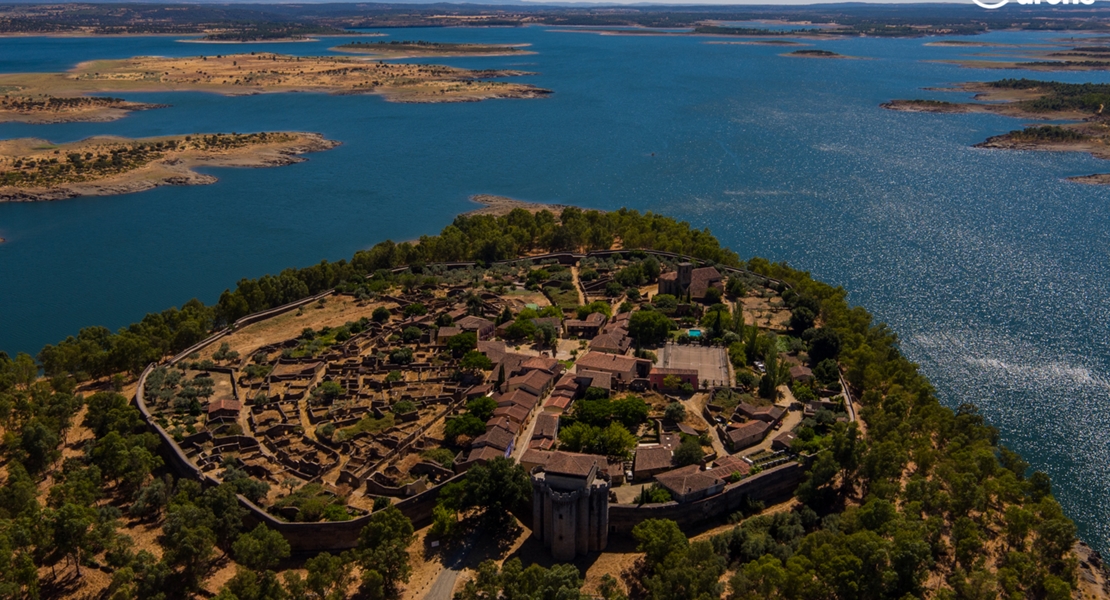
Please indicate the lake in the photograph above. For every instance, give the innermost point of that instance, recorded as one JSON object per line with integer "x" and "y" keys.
{"x": 993, "y": 270}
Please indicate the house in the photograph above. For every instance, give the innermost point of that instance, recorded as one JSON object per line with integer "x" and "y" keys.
{"x": 616, "y": 473}
{"x": 746, "y": 435}
{"x": 658, "y": 376}
{"x": 783, "y": 441}
{"x": 616, "y": 342}
{"x": 559, "y": 402}
{"x": 727, "y": 466}
{"x": 623, "y": 369}
{"x": 688, "y": 280}
{"x": 445, "y": 333}
{"x": 547, "y": 426}
{"x": 484, "y": 328}
{"x": 690, "y": 483}
{"x": 650, "y": 461}
{"x": 521, "y": 398}
{"x": 801, "y": 374}
{"x": 769, "y": 414}
{"x": 516, "y": 413}
{"x": 536, "y": 382}
{"x": 494, "y": 350}
{"x": 224, "y": 409}
{"x": 533, "y": 458}
{"x": 479, "y": 455}
{"x": 546, "y": 364}
{"x": 588, "y": 379}
{"x": 586, "y": 328}
{"x": 496, "y": 437}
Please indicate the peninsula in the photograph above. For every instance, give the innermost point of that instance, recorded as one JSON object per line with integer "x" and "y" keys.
{"x": 619, "y": 382}
{"x": 36, "y": 170}
{"x": 1081, "y": 103}
{"x": 50, "y": 109}
{"x": 421, "y": 49}
{"x": 1039, "y": 57}
{"x": 255, "y": 73}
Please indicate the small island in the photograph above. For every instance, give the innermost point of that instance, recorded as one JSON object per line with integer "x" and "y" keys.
{"x": 413, "y": 49}
{"x": 274, "y": 33}
{"x": 1078, "y": 58}
{"x": 50, "y": 109}
{"x": 1081, "y": 103}
{"x": 258, "y": 72}
{"x": 815, "y": 53}
{"x": 35, "y": 170}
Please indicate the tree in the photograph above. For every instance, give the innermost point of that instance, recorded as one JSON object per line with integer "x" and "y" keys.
{"x": 401, "y": 356}
{"x": 328, "y": 576}
{"x": 261, "y": 549}
{"x": 545, "y": 334}
{"x": 688, "y": 452}
{"x": 415, "y": 309}
{"x": 411, "y": 334}
{"x": 383, "y": 549}
{"x": 675, "y": 412}
{"x": 824, "y": 344}
{"x": 380, "y": 314}
{"x": 630, "y": 411}
{"x": 467, "y": 424}
{"x": 658, "y": 539}
{"x": 496, "y": 488}
{"x": 664, "y": 302}
{"x": 482, "y": 407}
{"x": 712, "y": 296}
{"x": 801, "y": 319}
{"x": 462, "y": 343}
{"x": 71, "y": 525}
{"x": 475, "y": 361}
{"x": 649, "y": 327}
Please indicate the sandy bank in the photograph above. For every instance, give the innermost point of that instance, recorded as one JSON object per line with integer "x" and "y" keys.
{"x": 40, "y": 111}
{"x": 160, "y": 167}
{"x": 257, "y": 73}
{"x": 503, "y": 205}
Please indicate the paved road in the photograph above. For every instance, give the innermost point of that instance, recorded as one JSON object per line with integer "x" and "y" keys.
{"x": 443, "y": 587}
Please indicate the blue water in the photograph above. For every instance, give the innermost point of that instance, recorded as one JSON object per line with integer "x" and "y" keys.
{"x": 993, "y": 269}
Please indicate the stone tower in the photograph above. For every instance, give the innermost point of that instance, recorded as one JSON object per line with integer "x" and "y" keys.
{"x": 570, "y": 505}
{"x": 685, "y": 276}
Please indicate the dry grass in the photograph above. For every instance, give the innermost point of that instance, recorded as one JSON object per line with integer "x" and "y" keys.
{"x": 236, "y": 74}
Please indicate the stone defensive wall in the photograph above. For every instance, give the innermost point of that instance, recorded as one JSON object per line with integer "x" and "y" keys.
{"x": 770, "y": 486}
{"x": 311, "y": 538}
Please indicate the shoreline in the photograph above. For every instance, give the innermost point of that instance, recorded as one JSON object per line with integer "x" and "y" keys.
{"x": 175, "y": 169}
{"x": 258, "y": 73}
{"x": 495, "y": 205}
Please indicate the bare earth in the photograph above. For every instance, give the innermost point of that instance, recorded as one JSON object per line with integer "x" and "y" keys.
{"x": 48, "y": 109}
{"x": 169, "y": 167}
{"x": 990, "y": 100}
{"x": 501, "y": 205}
{"x": 242, "y": 74}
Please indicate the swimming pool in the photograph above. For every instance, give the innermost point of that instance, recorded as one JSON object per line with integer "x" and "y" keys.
{"x": 694, "y": 333}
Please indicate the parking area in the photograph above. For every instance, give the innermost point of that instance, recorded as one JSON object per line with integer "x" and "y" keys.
{"x": 711, "y": 363}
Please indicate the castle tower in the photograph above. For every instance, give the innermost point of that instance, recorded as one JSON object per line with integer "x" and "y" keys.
{"x": 570, "y": 505}
{"x": 685, "y": 276}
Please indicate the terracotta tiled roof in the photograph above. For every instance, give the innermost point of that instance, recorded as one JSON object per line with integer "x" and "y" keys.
{"x": 547, "y": 426}
{"x": 651, "y": 458}
{"x": 570, "y": 464}
{"x": 218, "y": 405}
{"x": 688, "y": 480}
{"x": 495, "y": 437}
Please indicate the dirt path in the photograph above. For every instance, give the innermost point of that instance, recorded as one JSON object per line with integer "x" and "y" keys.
{"x": 577, "y": 285}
